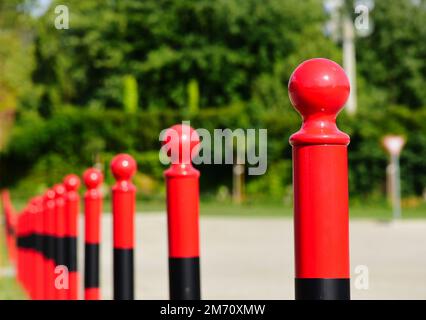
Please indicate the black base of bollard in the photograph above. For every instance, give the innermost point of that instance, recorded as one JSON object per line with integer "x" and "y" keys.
{"x": 123, "y": 274}
{"x": 322, "y": 289}
{"x": 184, "y": 278}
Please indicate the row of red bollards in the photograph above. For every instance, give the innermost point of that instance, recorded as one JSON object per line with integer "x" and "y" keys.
{"x": 46, "y": 231}
{"x": 42, "y": 239}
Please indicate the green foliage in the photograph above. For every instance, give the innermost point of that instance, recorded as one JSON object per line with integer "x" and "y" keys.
{"x": 130, "y": 99}
{"x": 393, "y": 56}
{"x": 221, "y": 64}
{"x": 193, "y": 96}
{"x": 226, "y": 45}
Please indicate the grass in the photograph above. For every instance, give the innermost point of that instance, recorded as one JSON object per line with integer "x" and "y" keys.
{"x": 379, "y": 211}
{"x": 373, "y": 210}
{"x": 9, "y": 287}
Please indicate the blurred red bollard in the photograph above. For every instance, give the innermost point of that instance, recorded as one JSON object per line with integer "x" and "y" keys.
{"x": 123, "y": 167}
{"x": 72, "y": 207}
{"x": 49, "y": 243}
{"x": 182, "y": 181}
{"x": 26, "y": 250}
{"x": 318, "y": 89}
{"x": 61, "y": 279}
{"x": 92, "y": 213}
{"x": 20, "y": 248}
{"x": 38, "y": 247}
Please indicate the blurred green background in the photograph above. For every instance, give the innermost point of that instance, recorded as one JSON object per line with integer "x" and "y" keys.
{"x": 125, "y": 70}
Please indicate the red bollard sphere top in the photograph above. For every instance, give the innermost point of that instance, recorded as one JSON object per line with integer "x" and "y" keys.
{"x": 123, "y": 166}
{"x": 318, "y": 89}
{"x": 49, "y": 195}
{"x": 92, "y": 178}
{"x": 59, "y": 190}
{"x": 71, "y": 182}
{"x": 183, "y": 140}
{"x": 318, "y": 86}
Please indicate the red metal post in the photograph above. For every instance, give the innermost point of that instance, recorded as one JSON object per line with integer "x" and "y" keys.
{"x": 31, "y": 252}
{"x": 49, "y": 243}
{"x": 123, "y": 167}
{"x": 37, "y": 203}
{"x": 72, "y": 207}
{"x": 318, "y": 89}
{"x": 182, "y": 182}
{"x": 92, "y": 213}
{"x": 60, "y": 286}
{"x": 18, "y": 234}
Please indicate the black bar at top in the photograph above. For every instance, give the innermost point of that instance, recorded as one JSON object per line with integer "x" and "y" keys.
{"x": 91, "y": 265}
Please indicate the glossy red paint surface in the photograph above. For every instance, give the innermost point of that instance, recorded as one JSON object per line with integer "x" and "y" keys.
{"x": 318, "y": 89}
{"x": 60, "y": 228}
{"x": 49, "y": 230}
{"x": 182, "y": 182}
{"x": 93, "y": 178}
{"x": 72, "y": 208}
{"x": 181, "y": 142}
{"x": 123, "y": 167}
{"x": 91, "y": 294}
{"x": 37, "y": 208}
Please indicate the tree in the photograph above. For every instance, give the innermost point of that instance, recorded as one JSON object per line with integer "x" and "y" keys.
{"x": 393, "y": 57}
{"x": 225, "y": 45}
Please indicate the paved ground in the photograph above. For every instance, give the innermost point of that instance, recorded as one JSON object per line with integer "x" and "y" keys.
{"x": 252, "y": 258}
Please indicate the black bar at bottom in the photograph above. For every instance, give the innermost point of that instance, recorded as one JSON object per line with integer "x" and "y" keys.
{"x": 71, "y": 253}
{"x": 91, "y": 265}
{"x": 123, "y": 274}
{"x": 184, "y": 278}
{"x": 322, "y": 289}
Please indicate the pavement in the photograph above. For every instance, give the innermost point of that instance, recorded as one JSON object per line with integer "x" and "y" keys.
{"x": 252, "y": 258}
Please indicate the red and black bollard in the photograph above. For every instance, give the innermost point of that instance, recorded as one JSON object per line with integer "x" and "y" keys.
{"x": 182, "y": 182}
{"x": 92, "y": 212}
{"x": 19, "y": 262}
{"x": 318, "y": 89}
{"x": 60, "y": 247}
{"x": 37, "y": 203}
{"x": 49, "y": 243}
{"x": 123, "y": 167}
{"x": 72, "y": 203}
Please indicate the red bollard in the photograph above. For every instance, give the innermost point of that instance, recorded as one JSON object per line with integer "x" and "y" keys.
{"x": 182, "y": 181}
{"x": 123, "y": 167}
{"x": 61, "y": 281}
{"x": 318, "y": 89}
{"x": 92, "y": 212}
{"x": 26, "y": 250}
{"x": 72, "y": 203}
{"x": 18, "y": 234}
{"x": 37, "y": 210}
{"x": 20, "y": 254}
{"x": 49, "y": 243}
